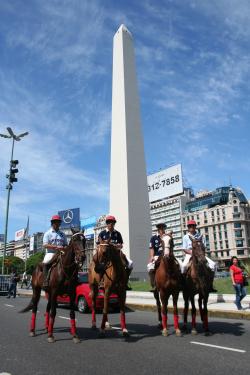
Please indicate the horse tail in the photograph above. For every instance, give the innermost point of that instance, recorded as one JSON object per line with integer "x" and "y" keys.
{"x": 29, "y": 307}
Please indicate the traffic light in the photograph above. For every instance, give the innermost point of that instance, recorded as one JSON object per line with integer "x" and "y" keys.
{"x": 13, "y": 170}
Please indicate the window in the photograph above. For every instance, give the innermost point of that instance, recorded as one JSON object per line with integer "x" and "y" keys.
{"x": 212, "y": 213}
{"x": 238, "y": 233}
{"x": 218, "y": 212}
{"x": 225, "y": 233}
{"x": 225, "y": 226}
{"x": 215, "y": 245}
{"x": 236, "y": 209}
{"x": 239, "y": 243}
{"x": 206, "y": 230}
{"x": 221, "y": 253}
{"x": 240, "y": 252}
{"x": 226, "y": 242}
{"x": 215, "y": 236}
{"x": 221, "y": 244}
{"x": 228, "y": 253}
{"x": 237, "y": 225}
{"x": 220, "y": 236}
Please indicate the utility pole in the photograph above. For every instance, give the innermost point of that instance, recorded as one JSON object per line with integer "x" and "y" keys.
{"x": 11, "y": 178}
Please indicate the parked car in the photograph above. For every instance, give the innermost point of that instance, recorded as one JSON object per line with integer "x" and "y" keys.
{"x": 83, "y": 299}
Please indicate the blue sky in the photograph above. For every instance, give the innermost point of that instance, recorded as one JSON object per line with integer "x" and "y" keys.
{"x": 193, "y": 67}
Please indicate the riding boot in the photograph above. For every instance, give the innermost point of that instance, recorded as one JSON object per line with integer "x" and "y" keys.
{"x": 128, "y": 271}
{"x": 45, "y": 275}
{"x": 152, "y": 280}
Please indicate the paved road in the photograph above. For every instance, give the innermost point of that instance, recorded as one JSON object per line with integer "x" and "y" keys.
{"x": 145, "y": 352}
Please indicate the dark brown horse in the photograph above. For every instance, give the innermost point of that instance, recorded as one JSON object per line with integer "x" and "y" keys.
{"x": 198, "y": 280}
{"x": 168, "y": 282}
{"x": 63, "y": 279}
{"x": 108, "y": 266}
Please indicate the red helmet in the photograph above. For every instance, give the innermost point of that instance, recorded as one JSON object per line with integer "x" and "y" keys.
{"x": 191, "y": 222}
{"x": 56, "y": 218}
{"x": 110, "y": 218}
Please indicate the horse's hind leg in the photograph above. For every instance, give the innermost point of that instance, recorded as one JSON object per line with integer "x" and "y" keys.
{"x": 46, "y": 315}
{"x": 158, "y": 305}
{"x": 94, "y": 291}
{"x": 200, "y": 307}
{"x": 72, "y": 318}
{"x": 122, "y": 298}
{"x": 52, "y": 316}
{"x": 194, "y": 331}
{"x": 176, "y": 317}
{"x": 185, "y": 312}
{"x": 35, "y": 300}
{"x": 205, "y": 316}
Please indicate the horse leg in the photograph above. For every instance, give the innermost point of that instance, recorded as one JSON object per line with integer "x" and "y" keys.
{"x": 94, "y": 291}
{"x": 76, "y": 339}
{"x": 105, "y": 312}
{"x": 200, "y": 307}
{"x": 194, "y": 331}
{"x": 122, "y": 300}
{"x": 52, "y": 316}
{"x": 176, "y": 317}
{"x": 205, "y": 317}
{"x": 35, "y": 300}
{"x": 46, "y": 315}
{"x": 158, "y": 304}
{"x": 185, "y": 312}
{"x": 164, "y": 312}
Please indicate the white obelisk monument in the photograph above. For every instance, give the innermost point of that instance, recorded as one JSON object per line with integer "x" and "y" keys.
{"x": 129, "y": 201}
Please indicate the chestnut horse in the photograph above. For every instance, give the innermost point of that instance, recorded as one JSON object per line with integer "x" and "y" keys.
{"x": 168, "y": 282}
{"x": 107, "y": 266}
{"x": 63, "y": 279}
{"x": 198, "y": 280}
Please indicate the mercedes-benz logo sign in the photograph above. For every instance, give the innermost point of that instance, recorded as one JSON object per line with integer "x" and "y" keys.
{"x": 68, "y": 216}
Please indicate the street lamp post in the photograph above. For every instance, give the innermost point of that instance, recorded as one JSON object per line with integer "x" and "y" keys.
{"x": 11, "y": 179}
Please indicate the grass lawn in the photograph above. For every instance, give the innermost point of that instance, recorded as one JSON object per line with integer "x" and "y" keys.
{"x": 223, "y": 286}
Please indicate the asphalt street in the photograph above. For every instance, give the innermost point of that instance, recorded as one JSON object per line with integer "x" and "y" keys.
{"x": 144, "y": 352}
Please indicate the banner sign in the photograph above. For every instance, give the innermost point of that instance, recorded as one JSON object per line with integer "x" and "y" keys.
{"x": 32, "y": 241}
{"x": 19, "y": 235}
{"x": 70, "y": 218}
{"x": 165, "y": 184}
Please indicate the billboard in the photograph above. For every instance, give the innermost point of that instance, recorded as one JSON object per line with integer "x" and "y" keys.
{"x": 19, "y": 234}
{"x": 70, "y": 218}
{"x": 165, "y": 183}
{"x": 88, "y": 225}
{"x": 32, "y": 242}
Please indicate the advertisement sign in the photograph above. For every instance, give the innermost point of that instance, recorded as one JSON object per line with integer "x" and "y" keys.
{"x": 70, "y": 218}
{"x": 19, "y": 234}
{"x": 88, "y": 225}
{"x": 32, "y": 240}
{"x": 165, "y": 183}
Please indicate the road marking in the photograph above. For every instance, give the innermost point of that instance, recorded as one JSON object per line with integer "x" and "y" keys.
{"x": 218, "y": 347}
{"x": 7, "y": 306}
{"x": 63, "y": 317}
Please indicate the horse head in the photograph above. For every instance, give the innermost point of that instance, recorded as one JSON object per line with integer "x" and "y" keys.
{"x": 103, "y": 256}
{"x": 198, "y": 247}
{"x": 77, "y": 242}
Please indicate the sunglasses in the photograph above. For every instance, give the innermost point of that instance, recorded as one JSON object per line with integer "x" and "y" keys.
{"x": 110, "y": 222}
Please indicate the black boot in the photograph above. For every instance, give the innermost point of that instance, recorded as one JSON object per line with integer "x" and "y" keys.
{"x": 152, "y": 281}
{"x": 45, "y": 276}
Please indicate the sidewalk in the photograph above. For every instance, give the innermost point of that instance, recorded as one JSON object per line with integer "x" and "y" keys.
{"x": 219, "y": 305}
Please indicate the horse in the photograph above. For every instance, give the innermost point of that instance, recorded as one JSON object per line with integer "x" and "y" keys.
{"x": 168, "y": 282}
{"x": 108, "y": 266}
{"x": 63, "y": 279}
{"x": 198, "y": 280}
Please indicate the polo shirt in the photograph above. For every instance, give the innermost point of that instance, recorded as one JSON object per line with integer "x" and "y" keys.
{"x": 51, "y": 237}
{"x": 114, "y": 236}
{"x": 155, "y": 244}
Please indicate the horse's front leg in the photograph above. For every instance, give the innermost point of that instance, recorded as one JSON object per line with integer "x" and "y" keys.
{"x": 158, "y": 305}
{"x": 122, "y": 300}
{"x": 93, "y": 293}
{"x": 52, "y": 316}
{"x": 72, "y": 317}
{"x": 205, "y": 317}
{"x": 164, "y": 311}
{"x": 200, "y": 307}
{"x": 105, "y": 311}
{"x": 185, "y": 311}
{"x": 46, "y": 315}
{"x": 194, "y": 330}
{"x": 35, "y": 300}
{"x": 176, "y": 317}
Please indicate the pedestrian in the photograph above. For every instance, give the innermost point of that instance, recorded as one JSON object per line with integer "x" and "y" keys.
{"x": 24, "y": 279}
{"x": 237, "y": 281}
{"x": 13, "y": 283}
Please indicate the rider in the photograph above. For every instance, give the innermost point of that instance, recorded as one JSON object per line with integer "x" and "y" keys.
{"x": 113, "y": 236}
{"x": 53, "y": 240}
{"x": 187, "y": 248}
{"x": 155, "y": 250}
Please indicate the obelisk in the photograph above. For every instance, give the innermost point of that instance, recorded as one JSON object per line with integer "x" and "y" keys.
{"x": 129, "y": 201}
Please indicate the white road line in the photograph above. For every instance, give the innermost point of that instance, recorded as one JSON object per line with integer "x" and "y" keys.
{"x": 64, "y": 317}
{"x": 8, "y": 305}
{"x": 218, "y": 347}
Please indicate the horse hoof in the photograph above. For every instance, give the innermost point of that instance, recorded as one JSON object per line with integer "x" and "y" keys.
{"x": 125, "y": 333}
{"x": 32, "y": 334}
{"x": 165, "y": 332}
{"x": 51, "y": 340}
{"x": 178, "y": 332}
{"x": 76, "y": 340}
{"x": 159, "y": 326}
{"x": 194, "y": 331}
{"x": 208, "y": 333}
{"x": 108, "y": 326}
{"x": 101, "y": 334}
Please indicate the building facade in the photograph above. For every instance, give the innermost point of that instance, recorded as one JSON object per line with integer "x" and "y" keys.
{"x": 223, "y": 217}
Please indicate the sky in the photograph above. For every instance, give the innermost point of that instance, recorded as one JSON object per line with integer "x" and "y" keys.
{"x": 193, "y": 71}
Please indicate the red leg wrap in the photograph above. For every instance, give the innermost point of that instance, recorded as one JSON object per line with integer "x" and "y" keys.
{"x": 51, "y": 326}
{"x": 46, "y": 320}
{"x": 176, "y": 321}
{"x": 73, "y": 327}
{"x": 205, "y": 321}
{"x": 164, "y": 320}
{"x": 123, "y": 320}
{"x": 193, "y": 320}
{"x": 33, "y": 322}
{"x": 104, "y": 319}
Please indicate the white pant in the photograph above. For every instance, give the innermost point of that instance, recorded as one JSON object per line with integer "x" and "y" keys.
{"x": 130, "y": 263}
{"x": 184, "y": 264}
{"x": 48, "y": 257}
{"x": 151, "y": 265}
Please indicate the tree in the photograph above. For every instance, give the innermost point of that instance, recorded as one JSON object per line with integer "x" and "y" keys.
{"x": 12, "y": 262}
{"x": 33, "y": 261}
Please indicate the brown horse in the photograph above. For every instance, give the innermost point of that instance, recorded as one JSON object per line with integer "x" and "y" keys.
{"x": 108, "y": 266}
{"x": 63, "y": 279}
{"x": 198, "y": 280}
{"x": 168, "y": 282}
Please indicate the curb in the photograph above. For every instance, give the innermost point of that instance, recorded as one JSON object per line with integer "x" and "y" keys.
{"x": 211, "y": 313}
